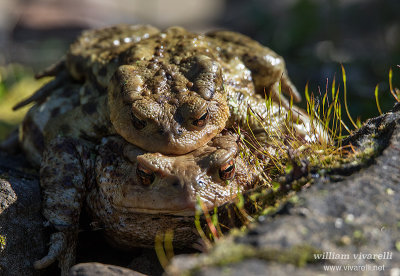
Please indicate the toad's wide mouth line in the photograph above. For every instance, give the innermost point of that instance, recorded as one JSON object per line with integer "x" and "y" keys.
{"x": 186, "y": 212}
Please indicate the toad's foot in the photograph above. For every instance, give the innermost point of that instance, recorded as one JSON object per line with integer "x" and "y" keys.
{"x": 62, "y": 248}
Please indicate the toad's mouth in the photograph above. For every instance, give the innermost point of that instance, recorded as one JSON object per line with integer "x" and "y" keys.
{"x": 186, "y": 211}
{"x": 183, "y": 212}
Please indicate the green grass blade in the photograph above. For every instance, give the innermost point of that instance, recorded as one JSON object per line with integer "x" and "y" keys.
{"x": 391, "y": 85}
{"x": 377, "y": 100}
{"x": 333, "y": 87}
{"x": 306, "y": 92}
{"x": 345, "y": 98}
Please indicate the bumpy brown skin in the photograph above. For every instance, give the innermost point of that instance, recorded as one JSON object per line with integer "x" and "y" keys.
{"x": 133, "y": 195}
{"x": 171, "y": 79}
{"x": 175, "y": 87}
{"x": 127, "y": 207}
{"x": 95, "y": 53}
{"x": 31, "y": 132}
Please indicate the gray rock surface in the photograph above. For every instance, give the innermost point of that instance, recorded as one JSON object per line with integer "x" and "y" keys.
{"x": 343, "y": 222}
{"x": 21, "y": 224}
{"x": 94, "y": 269}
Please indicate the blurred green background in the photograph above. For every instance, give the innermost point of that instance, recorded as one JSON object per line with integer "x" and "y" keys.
{"x": 314, "y": 37}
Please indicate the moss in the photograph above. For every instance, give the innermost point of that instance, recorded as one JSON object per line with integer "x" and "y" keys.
{"x": 397, "y": 245}
{"x": 269, "y": 210}
{"x": 228, "y": 252}
{"x": 3, "y": 242}
{"x": 359, "y": 238}
{"x": 298, "y": 255}
{"x": 343, "y": 241}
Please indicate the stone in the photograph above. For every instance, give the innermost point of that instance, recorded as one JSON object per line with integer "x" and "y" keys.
{"x": 22, "y": 234}
{"x": 94, "y": 269}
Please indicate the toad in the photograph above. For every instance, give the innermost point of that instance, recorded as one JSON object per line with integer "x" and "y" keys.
{"x": 133, "y": 195}
{"x": 165, "y": 91}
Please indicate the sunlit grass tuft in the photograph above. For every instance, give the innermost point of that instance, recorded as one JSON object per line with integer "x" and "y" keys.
{"x": 286, "y": 152}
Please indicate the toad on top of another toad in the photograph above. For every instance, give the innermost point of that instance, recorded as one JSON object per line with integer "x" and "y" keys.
{"x": 172, "y": 92}
{"x": 130, "y": 194}
{"x": 167, "y": 92}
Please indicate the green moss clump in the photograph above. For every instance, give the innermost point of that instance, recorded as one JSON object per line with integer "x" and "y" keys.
{"x": 3, "y": 242}
{"x": 228, "y": 252}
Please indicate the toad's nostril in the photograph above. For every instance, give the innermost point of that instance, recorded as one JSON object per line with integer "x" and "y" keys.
{"x": 166, "y": 133}
{"x": 201, "y": 183}
{"x": 161, "y": 132}
{"x": 178, "y": 131}
{"x": 175, "y": 184}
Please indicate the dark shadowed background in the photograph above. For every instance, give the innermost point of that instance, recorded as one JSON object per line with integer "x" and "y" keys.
{"x": 314, "y": 37}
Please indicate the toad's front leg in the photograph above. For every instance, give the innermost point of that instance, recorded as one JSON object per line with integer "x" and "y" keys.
{"x": 270, "y": 122}
{"x": 64, "y": 173}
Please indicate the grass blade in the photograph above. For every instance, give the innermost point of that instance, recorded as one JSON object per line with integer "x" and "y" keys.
{"x": 391, "y": 85}
{"x": 345, "y": 98}
{"x": 377, "y": 100}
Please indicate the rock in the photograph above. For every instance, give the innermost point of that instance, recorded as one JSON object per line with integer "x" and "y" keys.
{"x": 22, "y": 235}
{"x": 94, "y": 269}
{"x": 147, "y": 262}
{"x": 350, "y": 224}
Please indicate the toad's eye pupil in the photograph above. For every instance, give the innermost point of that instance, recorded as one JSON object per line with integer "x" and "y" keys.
{"x": 145, "y": 176}
{"x": 202, "y": 121}
{"x": 227, "y": 171}
{"x": 137, "y": 123}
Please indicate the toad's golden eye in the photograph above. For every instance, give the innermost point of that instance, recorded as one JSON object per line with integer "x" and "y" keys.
{"x": 137, "y": 123}
{"x": 145, "y": 176}
{"x": 227, "y": 170}
{"x": 202, "y": 121}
